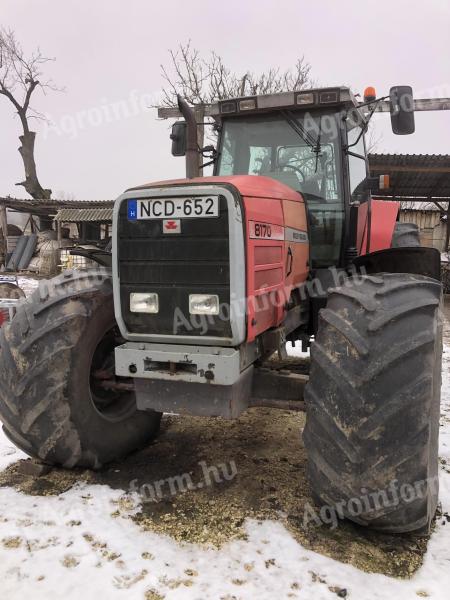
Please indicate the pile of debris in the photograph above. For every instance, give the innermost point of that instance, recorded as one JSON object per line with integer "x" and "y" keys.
{"x": 37, "y": 248}
{"x": 10, "y": 294}
{"x": 37, "y": 253}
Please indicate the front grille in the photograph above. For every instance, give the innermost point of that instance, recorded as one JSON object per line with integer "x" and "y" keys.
{"x": 174, "y": 266}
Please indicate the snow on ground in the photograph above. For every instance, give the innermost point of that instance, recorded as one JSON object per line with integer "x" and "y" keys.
{"x": 28, "y": 284}
{"x": 296, "y": 350}
{"x": 8, "y": 452}
{"x": 83, "y": 544}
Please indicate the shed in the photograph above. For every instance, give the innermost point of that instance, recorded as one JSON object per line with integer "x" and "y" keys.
{"x": 422, "y": 183}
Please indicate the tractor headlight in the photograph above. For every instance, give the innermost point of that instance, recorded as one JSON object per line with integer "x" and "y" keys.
{"x": 144, "y": 303}
{"x": 203, "y": 304}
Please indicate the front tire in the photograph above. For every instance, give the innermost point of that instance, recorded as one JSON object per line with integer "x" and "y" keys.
{"x": 373, "y": 401}
{"x": 51, "y": 402}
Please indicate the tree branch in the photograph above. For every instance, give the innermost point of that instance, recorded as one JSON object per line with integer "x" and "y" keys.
{"x": 206, "y": 80}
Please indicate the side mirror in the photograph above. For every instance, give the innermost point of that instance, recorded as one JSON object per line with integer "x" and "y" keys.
{"x": 178, "y": 137}
{"x": 402, "y": 109}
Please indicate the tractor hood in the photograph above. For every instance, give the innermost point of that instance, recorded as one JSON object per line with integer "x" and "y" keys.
{"x": 256, "y": 186}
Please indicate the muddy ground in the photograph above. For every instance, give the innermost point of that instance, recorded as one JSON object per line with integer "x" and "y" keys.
{"x": 270, "y": 483}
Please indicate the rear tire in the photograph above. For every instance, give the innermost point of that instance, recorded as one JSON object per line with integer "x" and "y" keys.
{"x": 51, "y": 405}
{"x": 406, "y": 235}
{"x": 373, "y": 401}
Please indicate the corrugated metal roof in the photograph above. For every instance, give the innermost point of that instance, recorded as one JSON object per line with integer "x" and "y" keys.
{"x": 51, "y": 207}
{"x": 72, "y": 215}
{"x": 424, "y": 206}
{"x": 418, "y": 160}
{"x": 413, "y": 175}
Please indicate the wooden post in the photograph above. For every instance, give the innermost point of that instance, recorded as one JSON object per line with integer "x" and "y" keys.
{"x": 3, "y": 220}
{"x": 59, "y": 231}
{"x": 447, "y": 235}
{"x": 4, "y": 230}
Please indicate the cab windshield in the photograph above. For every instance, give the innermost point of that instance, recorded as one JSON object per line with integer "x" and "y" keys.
{"x": 301, "y": 151}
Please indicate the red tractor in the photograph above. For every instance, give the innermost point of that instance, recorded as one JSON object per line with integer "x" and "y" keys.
{"x": 212, "y": 276}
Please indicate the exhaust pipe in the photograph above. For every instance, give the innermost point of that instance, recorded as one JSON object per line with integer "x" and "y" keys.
{"x": 192, "y": 153}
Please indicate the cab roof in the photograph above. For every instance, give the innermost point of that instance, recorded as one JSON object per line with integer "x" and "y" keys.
{"x": 301, "y": 99}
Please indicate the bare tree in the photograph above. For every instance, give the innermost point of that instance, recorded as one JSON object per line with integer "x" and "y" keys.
{"x": 20, "y": 76}
{"x": 373, "y": 139}
{"x": 203, "y": 80}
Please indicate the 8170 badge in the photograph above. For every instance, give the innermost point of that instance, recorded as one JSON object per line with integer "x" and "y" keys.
{"x": 266, "y": 231}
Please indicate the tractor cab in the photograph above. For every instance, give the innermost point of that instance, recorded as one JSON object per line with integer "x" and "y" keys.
{"x": 305, "y": 147}
{"x": 312, "y": 141}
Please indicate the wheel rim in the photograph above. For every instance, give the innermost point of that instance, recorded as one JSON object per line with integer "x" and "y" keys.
{"x": 112, "y": 404}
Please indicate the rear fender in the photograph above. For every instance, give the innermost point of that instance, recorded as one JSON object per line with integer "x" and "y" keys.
{"x": 376, "y": 218}
{"x": 415, "y": 260}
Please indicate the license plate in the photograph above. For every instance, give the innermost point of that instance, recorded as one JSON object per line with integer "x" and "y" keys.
{"x": 174, "y": 208}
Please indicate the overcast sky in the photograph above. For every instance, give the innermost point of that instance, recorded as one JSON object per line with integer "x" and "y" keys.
{"x": 110, "y": 51}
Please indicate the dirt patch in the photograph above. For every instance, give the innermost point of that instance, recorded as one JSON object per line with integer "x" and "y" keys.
{"x": 269, "y": 482}
{"x": 12, "y": 542}
{"x": 56, "y": 482}
{"x": 70, "y": 562}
